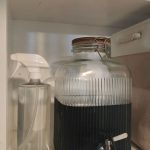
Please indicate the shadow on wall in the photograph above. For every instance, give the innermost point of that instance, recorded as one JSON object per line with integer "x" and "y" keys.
{"x": 139, "y": 66}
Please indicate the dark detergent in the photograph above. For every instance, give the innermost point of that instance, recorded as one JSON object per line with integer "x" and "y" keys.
{"x": 85, "y": 128}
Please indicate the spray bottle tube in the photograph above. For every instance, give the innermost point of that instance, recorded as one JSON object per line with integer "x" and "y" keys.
{"x": 33, "y": 105}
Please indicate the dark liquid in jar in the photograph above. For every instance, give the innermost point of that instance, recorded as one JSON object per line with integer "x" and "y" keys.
{"x": 85, "y": 128}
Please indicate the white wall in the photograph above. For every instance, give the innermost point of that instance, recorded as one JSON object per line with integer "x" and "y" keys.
{"x": 51, "y": 40}
{"x": 3, "y": 72}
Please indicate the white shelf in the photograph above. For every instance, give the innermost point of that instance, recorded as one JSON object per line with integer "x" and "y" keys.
{"x": 116, "y": 13}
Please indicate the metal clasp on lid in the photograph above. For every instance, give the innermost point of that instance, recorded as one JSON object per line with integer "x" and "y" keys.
{"x": 105, "y": 49}
{"x": 95, "y": 44}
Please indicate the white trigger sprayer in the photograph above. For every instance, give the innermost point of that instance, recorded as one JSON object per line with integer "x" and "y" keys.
{"x": 33, "y": 104}
{"x": 32, "y": 62}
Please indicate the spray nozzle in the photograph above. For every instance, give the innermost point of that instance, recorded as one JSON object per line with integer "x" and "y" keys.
{"x": 32, "y": 62}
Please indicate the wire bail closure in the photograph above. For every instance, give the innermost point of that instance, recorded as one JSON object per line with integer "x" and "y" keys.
{"x": 95, "y": 44}
{"x": 106, "y": 49}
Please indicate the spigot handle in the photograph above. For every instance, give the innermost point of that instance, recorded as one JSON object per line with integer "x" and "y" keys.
{"x": 120, "y": 137}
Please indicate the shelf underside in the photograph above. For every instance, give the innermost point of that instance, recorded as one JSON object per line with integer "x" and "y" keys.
{"x": 110, "y": 13}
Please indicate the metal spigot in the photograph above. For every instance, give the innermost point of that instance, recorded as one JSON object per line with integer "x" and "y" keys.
{"x": 109, "y": 143}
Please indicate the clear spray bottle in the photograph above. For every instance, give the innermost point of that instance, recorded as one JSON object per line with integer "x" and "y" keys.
{"x": 33, "y": 104}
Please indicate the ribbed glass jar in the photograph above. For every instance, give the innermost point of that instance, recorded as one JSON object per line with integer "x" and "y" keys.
{"x": 92, "y": 98}
{"x": 88, "y": 80}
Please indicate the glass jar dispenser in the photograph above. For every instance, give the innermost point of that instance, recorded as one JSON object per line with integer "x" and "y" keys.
{"x": 92, "y": 99}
